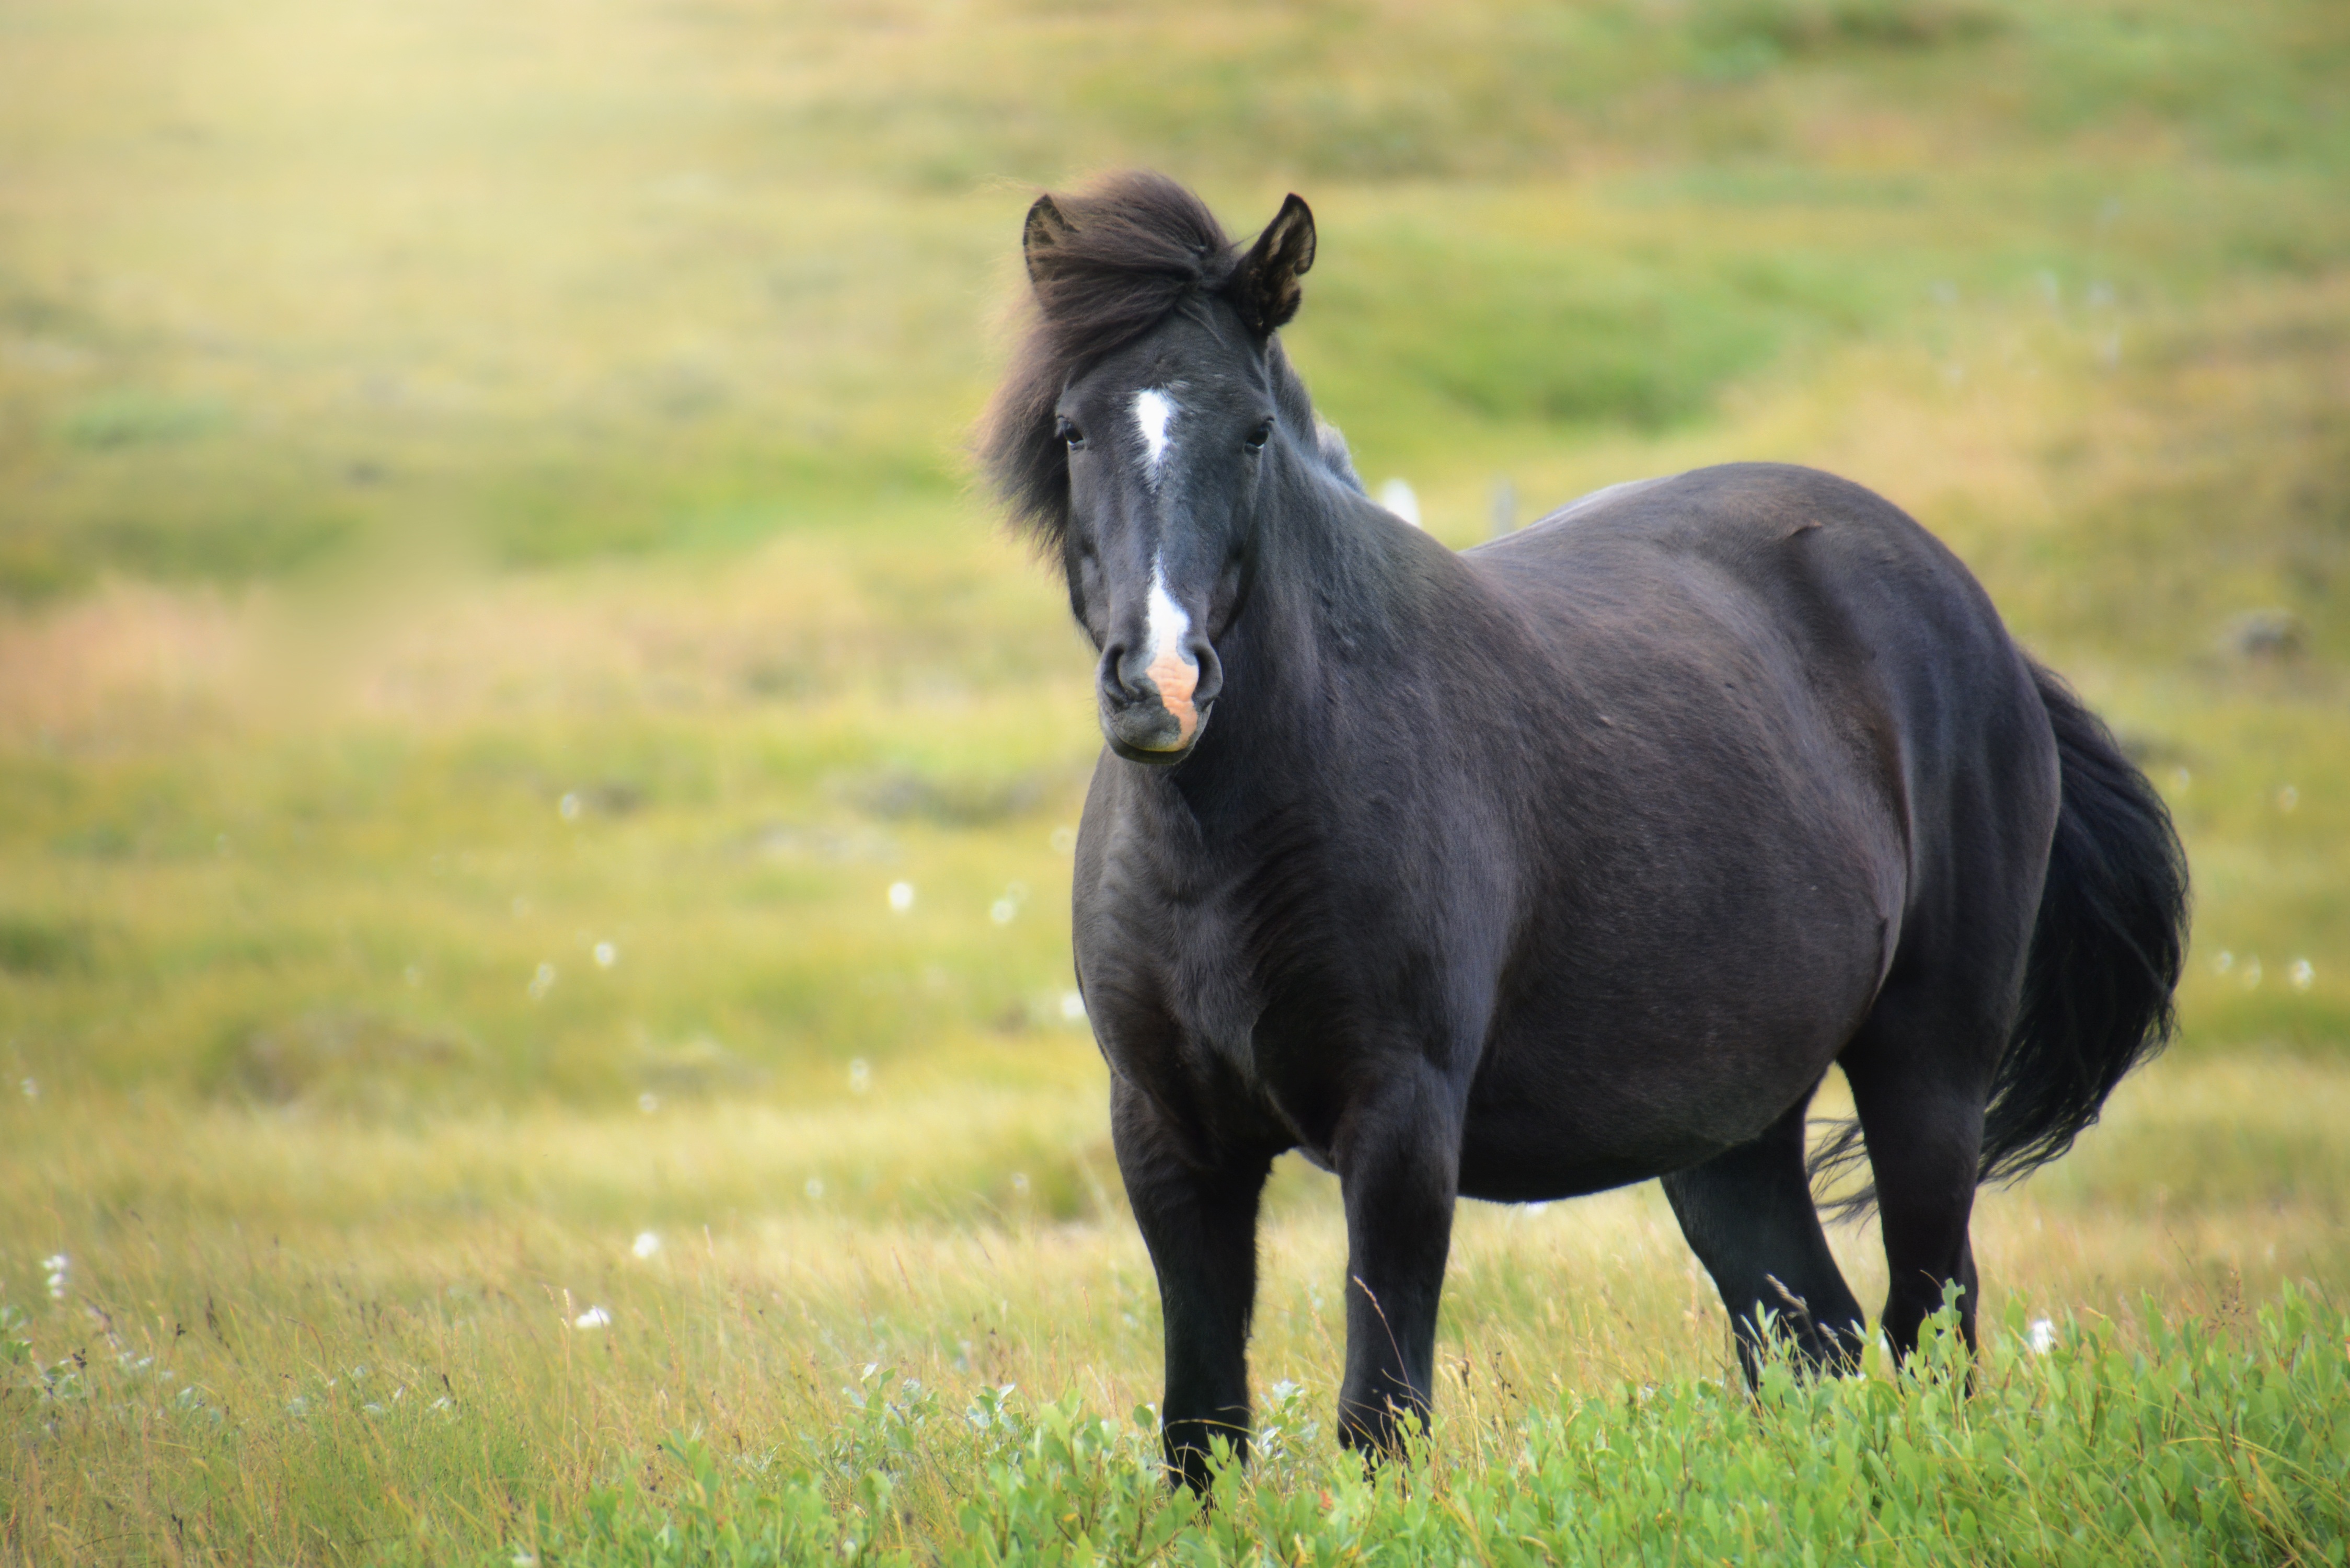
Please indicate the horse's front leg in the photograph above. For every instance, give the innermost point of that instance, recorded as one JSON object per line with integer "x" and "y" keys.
{"x": 1398, "y": 1159}
{"x": 1198, "y": 1221}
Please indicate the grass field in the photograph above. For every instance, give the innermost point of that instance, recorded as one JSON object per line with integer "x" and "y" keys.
{"x": 491, "y": 605}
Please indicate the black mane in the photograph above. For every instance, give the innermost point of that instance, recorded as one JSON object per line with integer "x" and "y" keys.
{"x": 1135, "y": 246}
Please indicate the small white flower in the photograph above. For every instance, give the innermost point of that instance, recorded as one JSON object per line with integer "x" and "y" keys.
{"x": 647, "y": 1244}
{"x": 649, "y": 1102}
{"x": 57, "y": 1264}
{"x": 860, "y": 1076}
{"x": 373, "y": 1409}
{"x": 1073, "y": 1007}
{"x": 542, "y": 983}
{"x": 594, "y": 1317}
{"x": 607, "y": 955}
{"x": 1020, "y": 1182}
{"x": 569, "y": 806}
{"x": 32, "y": 1090}
{"x": 901, "y": 897}
{"x": 2043, "y": 1335}
{"x": 2224, "y": 962}
{"x": 1002, "y": 911}
{"x": 2303, "y": 975}
{"x": 1065, "y": 840}
{"x": 815, "y": 1188}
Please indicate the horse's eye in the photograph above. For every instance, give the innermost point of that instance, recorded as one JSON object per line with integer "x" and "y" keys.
{"x": 1069, "y": 435}
{"x": 1259, "y": 436}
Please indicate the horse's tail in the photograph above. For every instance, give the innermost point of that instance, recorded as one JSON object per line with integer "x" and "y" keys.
{"x": 2106, "y": 950}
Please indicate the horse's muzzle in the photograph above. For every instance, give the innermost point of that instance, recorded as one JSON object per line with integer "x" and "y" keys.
{"x": 1155, "y": 715}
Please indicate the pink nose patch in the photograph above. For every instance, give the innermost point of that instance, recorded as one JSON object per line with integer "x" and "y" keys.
{"x": 1177, "y": 677}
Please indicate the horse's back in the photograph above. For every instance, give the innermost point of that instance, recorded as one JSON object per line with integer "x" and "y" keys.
{"x": 1858, "y": 606}
{"x": 1806, "y": 541}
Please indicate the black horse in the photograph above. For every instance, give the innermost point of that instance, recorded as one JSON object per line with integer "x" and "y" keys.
{"x": 1553, "y": 865}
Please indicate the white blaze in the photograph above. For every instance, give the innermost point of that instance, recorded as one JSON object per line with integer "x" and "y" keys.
{"x": 1153, "y": 411}
{"x": 1169, "y": 625}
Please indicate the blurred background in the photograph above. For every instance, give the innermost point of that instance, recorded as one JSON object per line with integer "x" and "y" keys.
{"x": 513, "y": 713}
{"x": 493, "y": 595}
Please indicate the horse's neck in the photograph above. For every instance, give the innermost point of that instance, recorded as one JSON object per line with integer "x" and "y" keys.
{"x": 1338, "y": 598}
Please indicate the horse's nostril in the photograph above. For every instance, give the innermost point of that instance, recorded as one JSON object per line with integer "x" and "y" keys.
{"x": 1211, "y": 669}
{"x": 1110, "y": 674}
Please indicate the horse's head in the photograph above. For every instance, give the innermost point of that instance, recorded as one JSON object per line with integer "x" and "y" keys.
{"x": 1144, "y": 453}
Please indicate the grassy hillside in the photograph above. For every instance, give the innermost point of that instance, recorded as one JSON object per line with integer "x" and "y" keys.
{"x": 491, "y": 604}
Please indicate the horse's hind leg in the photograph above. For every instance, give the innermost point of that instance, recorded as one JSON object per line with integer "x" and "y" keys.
{"x": 1921, "y": 1071}
{"x": 1748, "y": 1217}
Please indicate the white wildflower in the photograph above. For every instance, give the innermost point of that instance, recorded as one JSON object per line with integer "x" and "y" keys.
{"x": 901, "y": 897}
{"x": 594, "y": 1317}
{"x": 2043, "y": 1335}
{"x": 647, "y": 1244}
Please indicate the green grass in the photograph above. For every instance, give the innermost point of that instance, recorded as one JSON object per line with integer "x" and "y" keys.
{"x": 2174, "y": 1444}
{"x": 491, "y": 601}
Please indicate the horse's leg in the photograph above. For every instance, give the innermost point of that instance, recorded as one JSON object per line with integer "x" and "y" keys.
{"x": 1199, "y": 1224}
{"x": 1398, "y": 1161}
{"x": 1921, "y": 1071}
{"x": 1748, "y": 1216}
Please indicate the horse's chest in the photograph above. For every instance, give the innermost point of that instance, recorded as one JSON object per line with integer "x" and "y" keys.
{"x": 1176, "y": 981}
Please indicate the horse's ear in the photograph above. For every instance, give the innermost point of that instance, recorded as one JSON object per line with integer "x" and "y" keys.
{"x": 1264, "y": 287}
{"x": 1043, "y": 234}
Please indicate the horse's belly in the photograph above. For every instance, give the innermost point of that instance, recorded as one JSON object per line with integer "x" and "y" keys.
{"x": 1564, "y": 1105}
{"x": 1536, "y": 1154}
